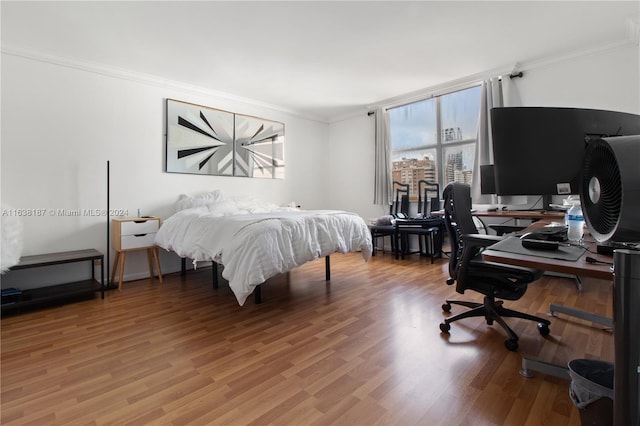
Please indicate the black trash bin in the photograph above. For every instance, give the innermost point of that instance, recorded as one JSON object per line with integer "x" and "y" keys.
{"x": 591, "y": 390}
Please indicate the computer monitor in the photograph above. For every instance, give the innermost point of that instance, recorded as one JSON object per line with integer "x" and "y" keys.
{"x": 540, "y": 150}
{"x": 487, "y": 180}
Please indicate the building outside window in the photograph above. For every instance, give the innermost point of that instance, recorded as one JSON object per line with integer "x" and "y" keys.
{"x": 435, "y": 139}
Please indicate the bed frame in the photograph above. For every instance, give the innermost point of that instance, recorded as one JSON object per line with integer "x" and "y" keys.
{"x": 257, "y": 293}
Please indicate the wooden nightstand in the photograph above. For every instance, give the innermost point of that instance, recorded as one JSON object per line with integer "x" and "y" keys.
{"x": 134, "y": 233}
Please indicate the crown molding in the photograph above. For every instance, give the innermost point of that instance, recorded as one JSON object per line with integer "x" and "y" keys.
{"x": 147, "y": 79}
{"x": 467, "y": 81}
{"x": 354, "y": 113}
{"x": 443, "y": 88}
{"x": 633, "y": 38}
{"x": 550, "y": 60}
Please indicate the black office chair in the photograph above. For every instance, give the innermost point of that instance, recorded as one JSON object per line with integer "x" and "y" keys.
{"x": 469, "y": 271}
{"x": 384, "y": 226}
{"x": 428, "y": 230}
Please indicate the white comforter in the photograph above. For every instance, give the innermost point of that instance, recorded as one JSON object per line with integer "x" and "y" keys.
{"x": 255, "y": 247}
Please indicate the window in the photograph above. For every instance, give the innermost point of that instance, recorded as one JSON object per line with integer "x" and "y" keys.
{"x": 435, "y": 139}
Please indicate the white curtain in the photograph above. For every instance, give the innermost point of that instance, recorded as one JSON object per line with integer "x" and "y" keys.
{"x": 383, "y": 185}
{"x": 491, "y": 96}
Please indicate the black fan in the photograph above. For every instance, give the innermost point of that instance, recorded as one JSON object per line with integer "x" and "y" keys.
{"x": 610, "y": 193}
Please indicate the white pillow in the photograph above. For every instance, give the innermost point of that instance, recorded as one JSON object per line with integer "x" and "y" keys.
{"x": 222, "y": 208}
{"x": 187, "y": 201}
{"x": 254, "y": 205}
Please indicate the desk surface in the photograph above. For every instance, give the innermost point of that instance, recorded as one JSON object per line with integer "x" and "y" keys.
{"x": 516, "y": 214}
{"x": 522, "y": 214}
{"x": 580, "y": 267}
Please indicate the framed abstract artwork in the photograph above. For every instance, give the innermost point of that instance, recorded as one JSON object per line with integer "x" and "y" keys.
{"x": 209, "y": 141}
{"x": 259, "y": 147}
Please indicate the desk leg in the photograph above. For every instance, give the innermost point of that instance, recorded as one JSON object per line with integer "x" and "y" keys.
{"x": 598, "y": 319}
{"x": 534, "y": 364}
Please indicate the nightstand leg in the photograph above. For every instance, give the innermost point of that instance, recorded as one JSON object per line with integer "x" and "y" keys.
{"x": 122, "y": 255}
{"x": 157, "y": 260}
{"x": 152, "y": 258}
{"x": 115, "y": 267}
{"x": 150, "y": 262}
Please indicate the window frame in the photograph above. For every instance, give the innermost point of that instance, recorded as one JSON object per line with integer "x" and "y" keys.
{"x": 440, "y": 146}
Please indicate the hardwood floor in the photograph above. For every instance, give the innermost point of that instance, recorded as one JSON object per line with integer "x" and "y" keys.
{"x": 365, "y": 349}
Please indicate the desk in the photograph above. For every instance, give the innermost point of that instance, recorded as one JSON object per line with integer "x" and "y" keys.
{"x": 580, "y": 267}
{"x": 549, "y": 215}
{"x": 533, "y": 215}
{"x": 515, "y": 215}
{"x": 625, "y": 324}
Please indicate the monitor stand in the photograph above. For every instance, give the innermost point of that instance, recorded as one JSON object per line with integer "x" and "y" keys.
{"x": 546, "y": 205}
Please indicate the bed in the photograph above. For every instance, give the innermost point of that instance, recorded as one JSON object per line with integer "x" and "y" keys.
{"x": 255, "y": 240}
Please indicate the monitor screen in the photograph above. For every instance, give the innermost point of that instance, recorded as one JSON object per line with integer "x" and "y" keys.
{"x": 540, "y": 150}
{"x": 487, "y": 180}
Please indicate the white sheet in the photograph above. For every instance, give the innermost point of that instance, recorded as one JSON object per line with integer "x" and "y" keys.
{"x": 255, "y": 247}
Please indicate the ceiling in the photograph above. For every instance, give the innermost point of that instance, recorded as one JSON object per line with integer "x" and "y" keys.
{"x": 323, "y": 60}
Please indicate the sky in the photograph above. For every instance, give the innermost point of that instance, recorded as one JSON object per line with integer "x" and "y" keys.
{"x": 414, "y": 125}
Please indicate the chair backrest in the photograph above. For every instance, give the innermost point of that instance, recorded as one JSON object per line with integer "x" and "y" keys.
{"x": 400, "y": 202}
{"x": 428, "y": 197}
{"x": 458, "y": 221}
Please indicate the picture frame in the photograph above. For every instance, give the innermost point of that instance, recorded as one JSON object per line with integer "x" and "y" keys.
{"x": 209, "y": 141}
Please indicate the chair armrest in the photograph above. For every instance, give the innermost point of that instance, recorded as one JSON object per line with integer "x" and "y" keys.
{"x": 481, "y": 240}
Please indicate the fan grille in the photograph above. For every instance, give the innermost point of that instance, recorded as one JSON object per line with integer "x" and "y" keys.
{"x": 602, "y": 213}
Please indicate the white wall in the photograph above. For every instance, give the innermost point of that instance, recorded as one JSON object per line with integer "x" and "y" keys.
{"x": 351, "y": 169}
{"x": 60, "y": 125}
{"x": 607, "y": 79}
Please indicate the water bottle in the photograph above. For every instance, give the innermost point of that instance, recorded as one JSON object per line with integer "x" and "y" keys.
{"x": 575, "y": 223}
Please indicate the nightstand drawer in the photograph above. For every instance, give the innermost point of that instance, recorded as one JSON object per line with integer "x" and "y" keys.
{"x": 139, "y": 227}
{"x": 135, "y": 241}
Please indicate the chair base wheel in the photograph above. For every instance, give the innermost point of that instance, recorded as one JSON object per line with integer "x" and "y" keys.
{"x": 446, "y": 307}
{"x": 511, "y": 344}
{"x": 543, "y": 329}
{"x": 444, "y": 327}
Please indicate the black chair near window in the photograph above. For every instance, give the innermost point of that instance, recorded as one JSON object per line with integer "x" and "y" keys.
{"x": 468, "y": 271}
{"x": 384, "y": 226}
{"x": 428, "y": 197}
{"x": 429, "y": 230}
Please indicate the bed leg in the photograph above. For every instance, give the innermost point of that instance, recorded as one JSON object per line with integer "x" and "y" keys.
{"x": 327, "y": 268}
{"x": 257, "y": 294}
{"x": 183, "y": 266}
{"x": 214, "y": 269}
